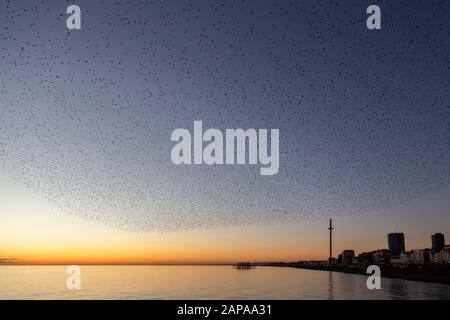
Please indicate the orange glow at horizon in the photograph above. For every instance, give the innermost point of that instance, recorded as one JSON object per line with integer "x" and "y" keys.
{"x": 111, "y": 246}
{"x": 33, "y": 232}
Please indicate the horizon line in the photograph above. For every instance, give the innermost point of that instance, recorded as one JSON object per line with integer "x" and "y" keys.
{"x": 142, "y": 264}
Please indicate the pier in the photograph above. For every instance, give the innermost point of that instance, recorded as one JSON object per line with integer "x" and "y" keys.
{"x": 244, "y": 266}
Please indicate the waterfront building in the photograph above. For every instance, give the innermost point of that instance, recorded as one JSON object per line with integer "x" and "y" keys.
{"x": 442, "y": 256}
{"x": 396, "y": 243}
{"x": 347, "y": 257}
{"x": 365, "y": 258}
{"x": 407, "y": 257}
{"x": 422, "y": 256}
{"x": 437, "y": 242}
{"x": 381, "y": 256}
{"x": 396, "y": 260}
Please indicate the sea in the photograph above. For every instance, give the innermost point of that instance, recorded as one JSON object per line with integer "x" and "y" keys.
{"x": 203, "y": 282}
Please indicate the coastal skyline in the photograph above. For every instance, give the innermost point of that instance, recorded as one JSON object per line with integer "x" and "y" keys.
{"x": 60, "y": 238}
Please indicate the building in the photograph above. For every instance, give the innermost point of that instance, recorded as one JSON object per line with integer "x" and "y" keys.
{"x": 437, "y": 242}
{"x": 422, "y": 256}
{"x": 380, "y": 256}
{"x": 442, "y": 256}
{"x": 407, "y": 257}
{"x": 365, "y": 258}
{"x": 396, "y": 261}
{"x": 347, "y": 257}
{"x": 417, "y": 257}
{"x": 396, "y": 243}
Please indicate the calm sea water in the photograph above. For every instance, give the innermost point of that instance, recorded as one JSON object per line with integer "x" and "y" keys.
{"x": 203, "y": 282}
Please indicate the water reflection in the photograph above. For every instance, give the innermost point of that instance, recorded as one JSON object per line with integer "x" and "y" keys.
{"x": 398, "y": 289}
{"x": 204, "y": 282}
{"x": 330, "y": 286}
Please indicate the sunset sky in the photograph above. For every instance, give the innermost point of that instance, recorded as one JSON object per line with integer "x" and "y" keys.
{"x": 86, "y": 118}
{"x": 32, "y": 231}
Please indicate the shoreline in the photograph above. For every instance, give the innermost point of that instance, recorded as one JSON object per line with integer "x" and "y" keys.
{"x": 438, "y": 275}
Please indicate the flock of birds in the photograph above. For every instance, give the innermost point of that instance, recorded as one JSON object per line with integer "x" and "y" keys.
{"x": 86, "y": 115}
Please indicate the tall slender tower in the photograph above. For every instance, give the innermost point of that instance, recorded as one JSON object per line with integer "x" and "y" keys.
{"x": 331, "y": 242}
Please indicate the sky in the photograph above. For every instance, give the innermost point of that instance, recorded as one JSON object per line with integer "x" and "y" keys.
{"x": 87, "y": 115}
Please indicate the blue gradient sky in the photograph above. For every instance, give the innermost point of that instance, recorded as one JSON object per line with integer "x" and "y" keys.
{"x": 364, "y": 116}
